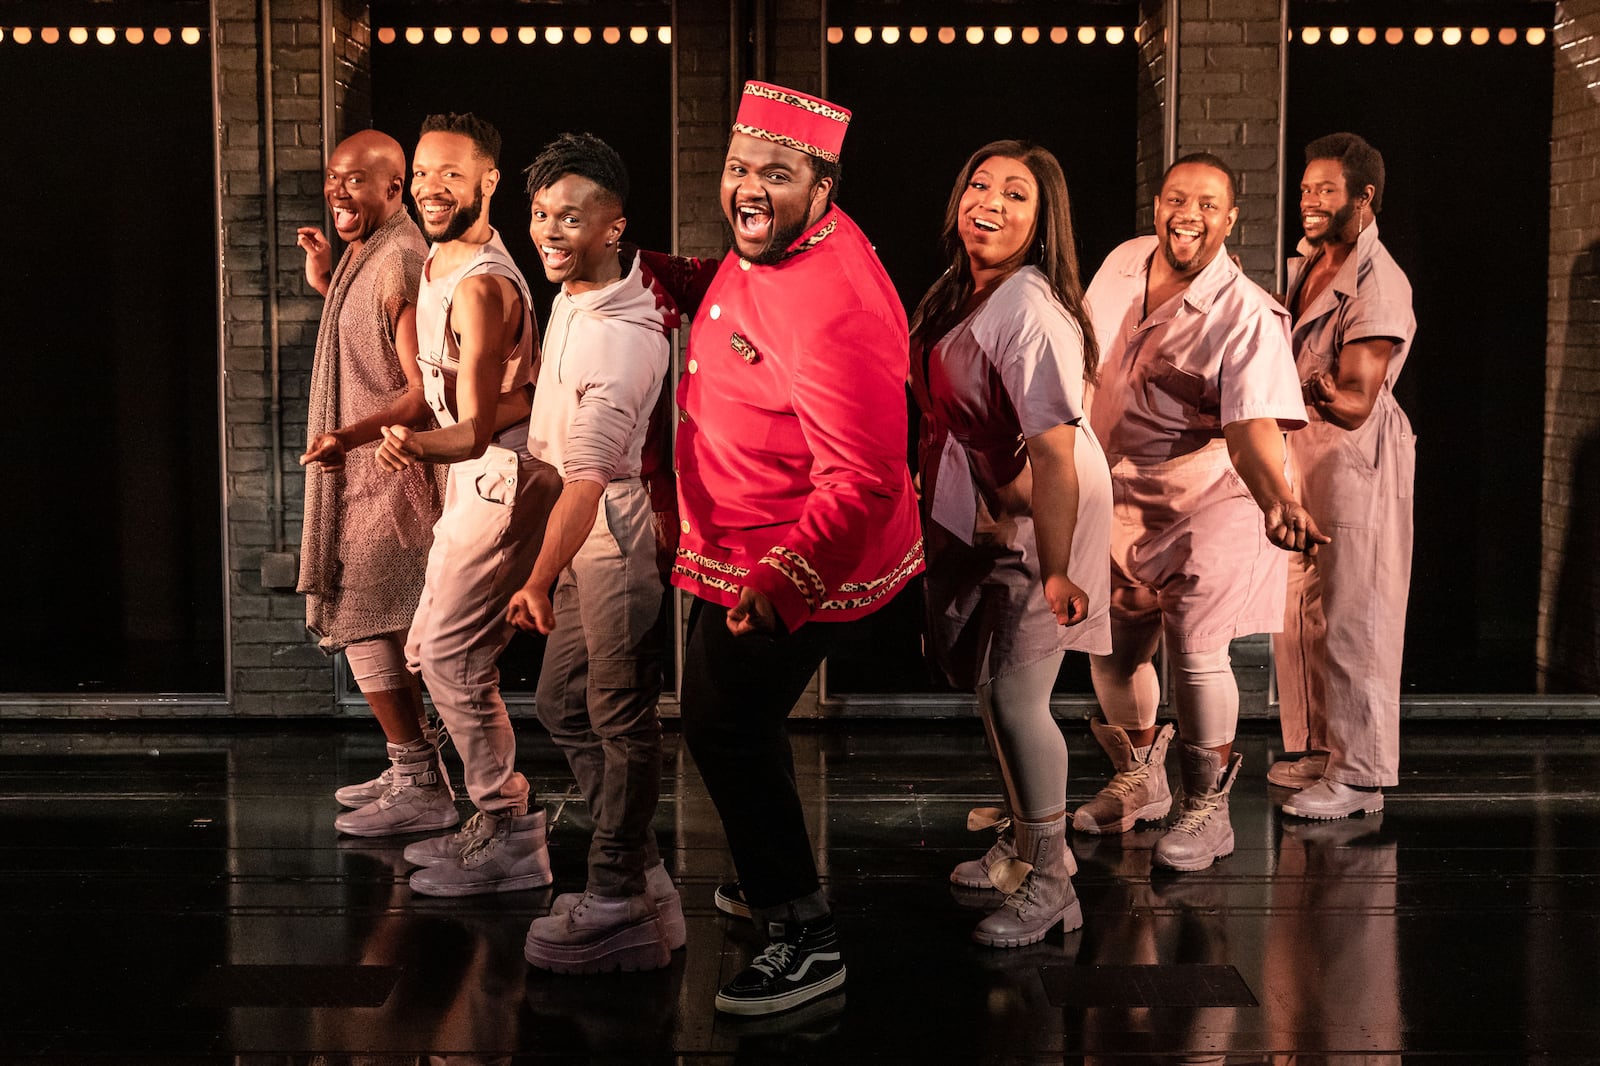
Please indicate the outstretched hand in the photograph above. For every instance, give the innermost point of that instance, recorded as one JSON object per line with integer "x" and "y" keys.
{"x": 319, "y": 257}
{"x": 327, "y": 451}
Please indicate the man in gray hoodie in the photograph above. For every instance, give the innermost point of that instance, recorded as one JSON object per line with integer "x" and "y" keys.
{"x": 604, "y": 362}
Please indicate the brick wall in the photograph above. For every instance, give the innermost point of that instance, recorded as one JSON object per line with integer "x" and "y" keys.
{"x": 1569, "y": 600}
{"x": 275, "y": 668}
{"x": 700, "y": 41}
{"x": 1229, "y": 103}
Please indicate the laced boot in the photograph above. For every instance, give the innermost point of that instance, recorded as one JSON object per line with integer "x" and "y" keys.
{"x": 360, "y": 795}
{"x": 1137, "y": 792}
{"x": 658, "y": 883}
{"x": 975, "y": 873}
{"x": 507, "y": 854}
{"x": 418, "y": 798}
{"x": 599, "y": 934}
{"x": 1203, "y": 833}
{"x": 1038, "y": 889}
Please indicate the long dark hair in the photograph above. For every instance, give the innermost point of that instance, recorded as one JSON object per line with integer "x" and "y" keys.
{"x": 1053, "y": 249}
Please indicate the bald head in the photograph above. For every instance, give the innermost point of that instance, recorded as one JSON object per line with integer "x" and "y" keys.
{"x": 363, "y": 185}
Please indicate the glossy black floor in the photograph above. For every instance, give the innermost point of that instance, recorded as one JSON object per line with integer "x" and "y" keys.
{"x": 181, "y": 897}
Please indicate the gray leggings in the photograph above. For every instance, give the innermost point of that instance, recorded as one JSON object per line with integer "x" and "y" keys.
{"x": 1026, "y": 739}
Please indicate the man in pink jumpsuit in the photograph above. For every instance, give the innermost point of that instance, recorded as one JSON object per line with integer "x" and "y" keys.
{"x": 1196, "y": 388}
{"x": 478, "y": 347}
{"x": 1338, "y": 657}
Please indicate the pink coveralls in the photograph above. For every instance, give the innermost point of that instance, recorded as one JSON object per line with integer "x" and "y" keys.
{"x": 1187, "y": 538}
{"x": 1338, "y": 657}
{"x": 484, "y": 547}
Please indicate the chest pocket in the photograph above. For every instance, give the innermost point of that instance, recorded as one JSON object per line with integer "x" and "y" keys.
{"x": 1188, "y": 389}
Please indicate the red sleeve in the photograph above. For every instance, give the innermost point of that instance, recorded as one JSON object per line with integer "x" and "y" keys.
{"x": 678, "y": 280}
{"x": 656, "y": 460}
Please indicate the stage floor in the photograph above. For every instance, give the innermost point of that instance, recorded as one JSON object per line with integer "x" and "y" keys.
{"x": 182, "y": 897}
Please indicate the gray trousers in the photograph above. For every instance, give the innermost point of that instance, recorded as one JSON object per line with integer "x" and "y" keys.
{"x": 599, "y": 683}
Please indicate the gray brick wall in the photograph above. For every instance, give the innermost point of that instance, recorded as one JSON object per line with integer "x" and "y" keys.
{"x": 276, "y": 670}
{"x": 700, "y": 44}
{"x": 1229, "y": 56}
{"x": 1151, "y": 108}
{"x": 1569, "y": 600}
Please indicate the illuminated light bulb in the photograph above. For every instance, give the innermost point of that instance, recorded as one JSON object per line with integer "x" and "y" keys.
{"x": 1424, "y": 35}
{"x": 442, "y": 35}
{"x": 1480, "y": 35}
{"x": 1451, "y": 35}
{"x": 1311, "y": 34}
{"x": 134, "y": 34}
{"x": 1339, "y": 35}
{"x": 1394, "y": 35}
{"x": 1030, "y": 35}
{"x": 836, "y": 35}
{"x": 1115, "y": 35}
{"x": 1086, "y": 35}
{"x": 386, "y": 35}
{"x": 582, "y": 35}
{"x": 891, "y": 35}
{"x": 947, "y": 34}
{"x": 413, "y": 34}
{"x": 1058, "y": 35}
{"x": 638, "y": 35}
{"x": 611, "y": 35}
{"x": 919, "y": 34}
{"x": 78, "y": 35}
{"x": 527, "y": 34}
{"x": 161, "y": 36}
{"x": 106, "y": 35}
{"x": 499, "y": 35}
{"x": 664, "y": 34}
{"x": 863, "y": 35}
{"x": 1002, "y": 35}
{"x": 1366, "y": 35}
{"x": 471, "y": 35}
{"x": 553, "y": 35}
{"x": 1536, "y": 35}
{"x": 191, "y": 35}
{"x": 1507, "y": 36}
{"x": 21, "y": 34}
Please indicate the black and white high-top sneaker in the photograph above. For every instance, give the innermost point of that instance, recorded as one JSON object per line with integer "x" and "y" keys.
{"x": 801, "y": 963}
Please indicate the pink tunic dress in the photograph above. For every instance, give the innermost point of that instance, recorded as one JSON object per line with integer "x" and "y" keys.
{"x": 1010, "y": 370}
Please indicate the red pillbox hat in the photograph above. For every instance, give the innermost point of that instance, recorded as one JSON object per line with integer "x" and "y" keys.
{"x": 793, "y": 119}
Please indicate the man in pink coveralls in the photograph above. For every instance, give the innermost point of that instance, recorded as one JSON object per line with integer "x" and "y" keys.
{"x": 1197, "y": 386}
{"x": 1338, "y": 657}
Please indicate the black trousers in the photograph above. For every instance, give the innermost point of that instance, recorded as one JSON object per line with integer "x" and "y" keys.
{"x": 737, "y": 695}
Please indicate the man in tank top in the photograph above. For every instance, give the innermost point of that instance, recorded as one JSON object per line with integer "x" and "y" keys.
{"x": 477, "y": 346}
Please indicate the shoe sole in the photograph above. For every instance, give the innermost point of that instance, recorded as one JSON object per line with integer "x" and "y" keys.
{"x": 1288, "y": 808}
{"x": 417, "y": 826}
{"x": 1153, "y": 812}
{"x": 749, "y": 1008}
{"x": 733, "y": 908}
{"x": 636, "y": 948}
{"x": 1071, "y": 917}
{"x": 356, "y": 800}
{"x": 671, "y": 909}
{"x": 482, "y": 888}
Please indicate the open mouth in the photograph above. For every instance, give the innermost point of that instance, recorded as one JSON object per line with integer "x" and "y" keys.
{"x": 753, "y": 223}
{"x": 435, "y": 213}
{"x": 554, "y": 257}
{"x": 344, "y": 219}
{"x": 984, "y": 225}
{"x": 1184, "y": 238}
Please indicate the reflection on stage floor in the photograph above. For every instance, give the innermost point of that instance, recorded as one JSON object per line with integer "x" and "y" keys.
{"x": 181, "y": 897}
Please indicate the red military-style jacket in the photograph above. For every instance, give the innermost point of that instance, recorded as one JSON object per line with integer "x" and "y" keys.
{"x": 791, "y": 454}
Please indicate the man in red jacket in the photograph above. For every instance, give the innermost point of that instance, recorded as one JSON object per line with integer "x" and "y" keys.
{"x": 796, "y": 506}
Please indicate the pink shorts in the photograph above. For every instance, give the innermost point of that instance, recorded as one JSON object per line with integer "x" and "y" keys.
{"x": 1188, "y": 542}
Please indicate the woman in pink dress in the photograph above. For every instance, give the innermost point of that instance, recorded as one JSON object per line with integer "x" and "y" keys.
{"x": 1016, "y": 500}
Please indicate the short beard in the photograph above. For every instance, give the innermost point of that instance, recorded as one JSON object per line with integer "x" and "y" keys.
{"x": 465, "y": 217}
{"x": 1336, "y": 227}
{"x": 1181, "y": 268}
{"x": 778, "y": 246}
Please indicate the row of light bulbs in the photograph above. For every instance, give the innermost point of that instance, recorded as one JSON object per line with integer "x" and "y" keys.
{"x": 1451, "y": 35}
{"x": 100, "y": 34}
{"x": 523, "y": 34}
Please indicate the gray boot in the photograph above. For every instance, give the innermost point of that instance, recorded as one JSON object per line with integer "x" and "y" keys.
{"x": 417, "y": 800}
{"x": 1203, "y": 833}
{"x": 1044, "y": 896}
{"x": 359, "y": 795}
{"x": 978, "y": 873}
{"x": 511, "y": 856}
{"x": 1137, "y": 792}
